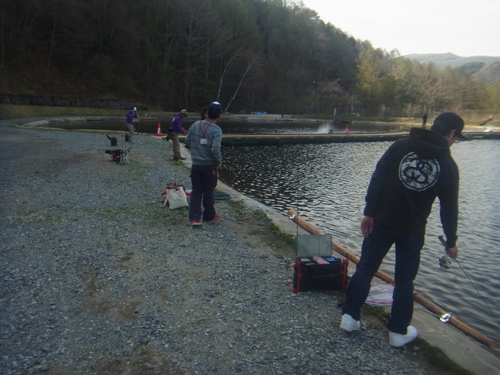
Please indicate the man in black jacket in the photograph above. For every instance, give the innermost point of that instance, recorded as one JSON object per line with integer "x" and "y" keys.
{"x": 407, "y": 180}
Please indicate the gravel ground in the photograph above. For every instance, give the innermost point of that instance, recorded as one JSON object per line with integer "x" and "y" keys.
{"x": 98, "y": 278}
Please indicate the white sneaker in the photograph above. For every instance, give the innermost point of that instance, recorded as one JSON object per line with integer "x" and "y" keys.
{"x": 397, "y": 340}
{"x": 349, "y": 324}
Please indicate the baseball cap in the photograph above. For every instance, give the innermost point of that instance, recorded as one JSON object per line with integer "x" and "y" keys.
{"x": 214, "y": 110}
{"x": 449, "y": 121}
{"x": 184, "y": 112}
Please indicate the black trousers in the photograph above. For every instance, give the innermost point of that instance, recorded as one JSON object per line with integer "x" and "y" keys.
{"x": 203, "y": 181}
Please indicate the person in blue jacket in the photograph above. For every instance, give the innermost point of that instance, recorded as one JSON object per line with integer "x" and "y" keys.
{"x": 406, "y": 181}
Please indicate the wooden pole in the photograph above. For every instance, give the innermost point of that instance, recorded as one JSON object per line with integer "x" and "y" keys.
{"x": 422, "y": 300}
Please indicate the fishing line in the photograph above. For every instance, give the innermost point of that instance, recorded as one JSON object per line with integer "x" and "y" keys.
{"x": 485, "y": 302}
{"x": 466, "y": 274}
{"x": 284, "y": 168}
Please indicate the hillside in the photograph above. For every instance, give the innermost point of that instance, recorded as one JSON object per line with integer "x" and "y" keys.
{"x": 449, "y": 59}
{"x": 485, "y": 68}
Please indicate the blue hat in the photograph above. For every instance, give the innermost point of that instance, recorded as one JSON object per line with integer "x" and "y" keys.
{"x": 214, "y": 110}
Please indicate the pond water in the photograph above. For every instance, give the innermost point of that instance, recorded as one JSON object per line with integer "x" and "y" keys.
{"x": 327, "y": 183}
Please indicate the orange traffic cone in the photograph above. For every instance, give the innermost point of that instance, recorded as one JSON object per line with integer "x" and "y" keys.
{"x": 158, "y": 133}
{"x": 347, "y": 129}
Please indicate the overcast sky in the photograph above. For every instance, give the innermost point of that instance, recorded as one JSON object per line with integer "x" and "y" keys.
{"x": 463, "y": 27}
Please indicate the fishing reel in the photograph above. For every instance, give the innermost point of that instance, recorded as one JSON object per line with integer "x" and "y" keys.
{"x": 445, "y": 262}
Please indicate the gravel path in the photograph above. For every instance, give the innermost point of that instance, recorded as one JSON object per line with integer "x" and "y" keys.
{"x": 97, "y": 278}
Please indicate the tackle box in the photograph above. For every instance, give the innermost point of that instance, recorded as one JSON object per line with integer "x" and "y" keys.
{"x": 314, "y": 268}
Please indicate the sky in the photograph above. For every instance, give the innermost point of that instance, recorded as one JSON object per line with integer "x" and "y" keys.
{"x": 463, "y": 27}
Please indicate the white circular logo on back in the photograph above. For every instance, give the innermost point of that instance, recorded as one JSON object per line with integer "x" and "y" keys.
{"x": 418, "y": 174}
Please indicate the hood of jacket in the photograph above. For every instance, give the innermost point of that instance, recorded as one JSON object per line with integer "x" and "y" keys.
{"x": 428, "y": 144}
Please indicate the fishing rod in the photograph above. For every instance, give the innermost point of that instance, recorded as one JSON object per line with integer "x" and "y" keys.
{"x": 445, "y": 263}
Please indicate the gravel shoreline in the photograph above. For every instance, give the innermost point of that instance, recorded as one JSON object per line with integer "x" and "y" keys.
{"x": 97, "y": 278}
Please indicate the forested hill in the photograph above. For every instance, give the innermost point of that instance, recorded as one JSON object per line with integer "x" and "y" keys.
{"x": 251, "y": 55}
{"x": 443, "y": 60}
{"x": 485, "y": 68}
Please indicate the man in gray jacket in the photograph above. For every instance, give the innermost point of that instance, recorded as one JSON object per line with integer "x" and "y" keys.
{"x": 204, "y": 141}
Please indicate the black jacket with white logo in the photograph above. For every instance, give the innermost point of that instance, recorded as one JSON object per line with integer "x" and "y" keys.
{"x": 408, "y": 178}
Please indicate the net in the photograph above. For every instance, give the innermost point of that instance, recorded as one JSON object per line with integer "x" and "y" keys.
{"x": 380, "y": 294}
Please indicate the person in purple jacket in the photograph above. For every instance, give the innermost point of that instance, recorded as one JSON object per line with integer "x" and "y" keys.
{"x": 406, "y": 181}
{"x": 129, "y": 122}
{"x": 176, "y": 129}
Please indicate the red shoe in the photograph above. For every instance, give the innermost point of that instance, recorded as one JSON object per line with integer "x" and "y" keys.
{"x": 195, "y": 223}
{"x": 215, "y": 218}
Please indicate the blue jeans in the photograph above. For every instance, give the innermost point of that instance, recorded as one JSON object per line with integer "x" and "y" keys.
{"x": 204, "y": 181}
{"x": 373, "y": 251}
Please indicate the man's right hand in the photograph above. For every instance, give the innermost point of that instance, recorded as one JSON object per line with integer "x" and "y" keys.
{"x": 367, "y": 226}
